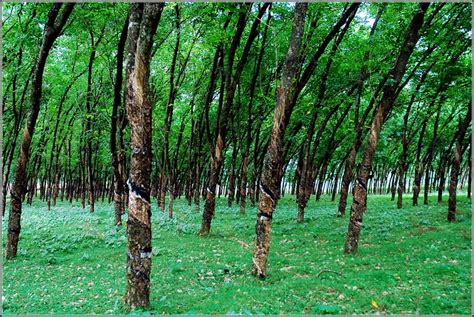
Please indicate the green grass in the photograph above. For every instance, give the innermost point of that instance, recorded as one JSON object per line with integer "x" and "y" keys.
{"x": 409, "y": 261}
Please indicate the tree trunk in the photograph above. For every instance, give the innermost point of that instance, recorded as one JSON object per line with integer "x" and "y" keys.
{"x": 359, "y": 204}
{"x": 53, "y": 28}
{"x": 144, "y": 19}
{"x": 458, "y": 153}
{"x": 269, "y": 182}
{"x": 429, "y": 158}
{"x": 405, "y": 139}
{"x": 306, "y": 164}
{"x": 230, "y": 87}
{"x": 231, "y": 191}
{"x": 115, "y": 153}
{"x": 350, "y": 162}
{"x": 469, "y": 180}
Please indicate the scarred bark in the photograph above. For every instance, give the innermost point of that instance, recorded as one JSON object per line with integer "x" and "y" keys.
{"x": 144, "y": 19}
{"x": 350, "y": 161}
{"x": 269, "y": 183}
{"x": 359, "y": 204}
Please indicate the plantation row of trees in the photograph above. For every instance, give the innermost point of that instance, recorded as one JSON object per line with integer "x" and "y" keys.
{"x": 127, "y": 102}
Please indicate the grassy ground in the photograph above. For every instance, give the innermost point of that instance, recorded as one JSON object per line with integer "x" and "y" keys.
{"x": 409, "y": 261}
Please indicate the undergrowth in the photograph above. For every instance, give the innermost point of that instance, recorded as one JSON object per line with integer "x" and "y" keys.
{"x": 409, "y": 261}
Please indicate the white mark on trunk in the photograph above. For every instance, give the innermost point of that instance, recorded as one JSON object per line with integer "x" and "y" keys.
{"x": 145, "y": 254}
{"x": 134, "y": 195}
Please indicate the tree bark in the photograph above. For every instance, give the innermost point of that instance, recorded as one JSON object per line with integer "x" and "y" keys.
{"x": 418, "y": 168}
{"x": 458, "y": 153}
{"x": 269, "y": 181}
{"x": 359, "y": 204}
{"x": 53, "y": 28}
{"x": 119, "y": 203}
{"x": 429, "y": 158}
{"x": 306, "y": 181}
{"x": 350, "y": 161}
{"x": 144, "y": 19}
{"x": 232, "y": 79}
{"x": 405, "y": 139}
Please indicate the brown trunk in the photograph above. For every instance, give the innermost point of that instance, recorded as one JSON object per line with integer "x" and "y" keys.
{"x": 250, "y": 120}
{"x": 231, "y": 191}
{"x": 144, "y": 19}
{"x": 18, "y": 116}
{"x": 232, "y": 79}
{"x": 82, "y": 171}
{"x": 442, "y": 175}
{"x": 418, "y": 168}
{"x": 52, "y": 30}
{"x": 405, "y": 139}
{"x": 336, "y": 178}
{"x": 88, "y": 126}
{"x": 429, "y": 156}
{"x": 469, "y": 180}
{"x": 393, "y": 189}
{"x": 359, "y": 204}
{"x": 458, "y": 153}
{"x": 306, "y": 181}
{"x": 350, "y": 162}
{"x": 119, "y": 203}
{"x": 56, "y": 186}
{"x": 269, "y": 182}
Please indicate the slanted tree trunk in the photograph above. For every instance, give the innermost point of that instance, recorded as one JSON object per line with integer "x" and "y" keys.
{"x": 286, "y": 96}
{"x": 231, "y": 189}
{"x": 469, "y": 180}
{"x": 18, "y": 115}
{"x": 393, "y": 189}
{"x": 306, "y": 165}
{"x": 269, "y": 182}
{"x": 144, "y": 19}
{"x": 232, "y": 79}
{"x": 167, "y": 169}
{"x": 336, "y": 177}
{"x": 350, "y": 161}
{"x": 359, "y": 204}
{"x": 53, "y": 28}
{"x": 458, "y": 153}
{"x": 442, "y": 172}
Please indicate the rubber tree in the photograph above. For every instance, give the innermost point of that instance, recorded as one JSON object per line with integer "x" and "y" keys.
{"x": 458, "y": 153}
{"x": 144, "y": 19}
{"x": 286, "y": 96}
{"x": 232, "y": 79}
{"x": 116, "y": 152}
{"x": 269, "y": 184}
{"x": 386, "y": 103}
{"x": 53, "y": 28}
